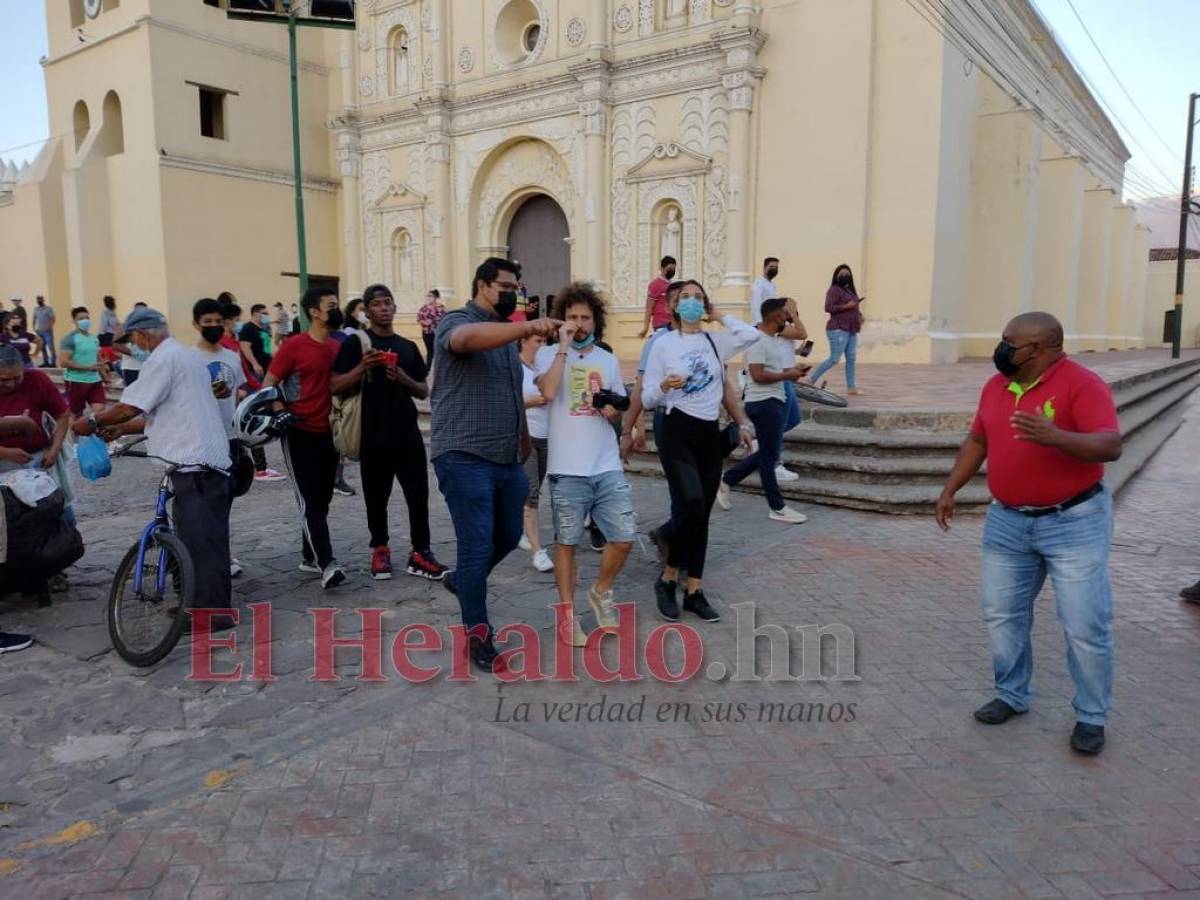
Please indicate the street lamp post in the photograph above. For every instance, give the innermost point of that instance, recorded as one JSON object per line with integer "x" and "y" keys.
{"x": 285, "y": 12}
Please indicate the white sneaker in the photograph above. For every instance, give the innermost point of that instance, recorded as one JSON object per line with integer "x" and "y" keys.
{"x": 782, "y": 474}
{"x": 524, "y": 544}
{"x": 310, "y": 567}
{"x": 332, "y": 576}
{"x": 723, "y": 496}
{"x": 542, "y": 561}
{"x": 570, "y": 632}
{"x": 602, "y": 606}
{"x": 235, "y": 568}
{"x": 789, "y": 515}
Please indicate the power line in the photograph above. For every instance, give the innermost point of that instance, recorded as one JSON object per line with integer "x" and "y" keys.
{"x": 1121, "y": 84}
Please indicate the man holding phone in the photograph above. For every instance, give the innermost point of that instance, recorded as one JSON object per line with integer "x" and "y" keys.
{"x": 391, "y": 374}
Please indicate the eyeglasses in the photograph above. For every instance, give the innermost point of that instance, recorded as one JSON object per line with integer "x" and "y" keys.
{"x": 506, "y": 285}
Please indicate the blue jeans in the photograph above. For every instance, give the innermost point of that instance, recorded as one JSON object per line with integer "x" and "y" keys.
{"x": 49, "y": 351}
{"x": 606, "y": 497}
{"x": 486, "y": 502}
{"x": 839, "y": 342}
{"x": 1072, "y": 548}
{"x": 769, "y": 417}
{"x": 794, "y": 417}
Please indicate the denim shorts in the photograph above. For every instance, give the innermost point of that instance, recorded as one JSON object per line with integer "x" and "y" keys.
{"x": 606, "y": 497}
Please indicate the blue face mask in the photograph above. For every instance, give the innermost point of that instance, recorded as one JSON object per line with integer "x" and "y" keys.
{"x": 138, "y": 353}
{"x": 83, "y": 324}
{"x": 691, "y": 310}
{"x": 585, "y": 343}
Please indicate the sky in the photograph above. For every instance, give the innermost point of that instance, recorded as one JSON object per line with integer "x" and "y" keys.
{"x": 1153, "y": 46}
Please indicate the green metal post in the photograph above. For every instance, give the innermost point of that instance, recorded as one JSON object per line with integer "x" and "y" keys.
{"x": 297, "y": 176}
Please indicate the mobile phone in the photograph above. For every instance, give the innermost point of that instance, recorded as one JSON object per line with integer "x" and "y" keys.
{"x": 806, "y": 348}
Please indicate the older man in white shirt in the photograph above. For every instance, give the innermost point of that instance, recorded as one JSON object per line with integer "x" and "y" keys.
{"x": 175, "y": 402}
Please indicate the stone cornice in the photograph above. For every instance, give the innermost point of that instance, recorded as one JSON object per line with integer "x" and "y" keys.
{"x": 225, "y": 170}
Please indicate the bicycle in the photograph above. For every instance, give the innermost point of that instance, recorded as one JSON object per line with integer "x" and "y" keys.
{"x": 154, "y": 584}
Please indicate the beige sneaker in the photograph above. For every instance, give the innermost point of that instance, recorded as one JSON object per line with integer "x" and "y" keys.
{"x": 723, "y": 496}
{"x": 571, "y": 634}
{"x": 789, "y": 515}
{"x": 602, "y": 606}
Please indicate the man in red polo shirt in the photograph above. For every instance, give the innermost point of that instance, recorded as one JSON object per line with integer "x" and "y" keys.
{"x": 1046, "y": 426}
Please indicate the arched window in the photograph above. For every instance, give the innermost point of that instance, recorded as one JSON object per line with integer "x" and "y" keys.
{"x": 402, "y": 259}
{"x": 398, "y": 56}
{"x": 112, "y": 137}
{"x": 81, "y": 122}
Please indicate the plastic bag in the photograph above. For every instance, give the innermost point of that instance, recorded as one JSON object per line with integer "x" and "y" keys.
{"x": 93, "y": 458}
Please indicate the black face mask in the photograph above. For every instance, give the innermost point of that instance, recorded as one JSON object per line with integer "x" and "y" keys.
{"x": 669, "y": 274}
{"x": 334, "y": 319}
{"x": 771, "y": 273}
{"x": 212, "y": 333}
{"x": 1003, "y": 359}
{"x": 506, "y": 304}
{"x": 845, "y": 280}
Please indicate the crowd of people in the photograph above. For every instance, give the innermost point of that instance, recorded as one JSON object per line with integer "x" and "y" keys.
{"x": 525, "y": 399}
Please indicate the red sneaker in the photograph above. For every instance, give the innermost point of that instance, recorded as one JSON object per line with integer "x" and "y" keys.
{"x": 423, "y": 565}
{"x": 381, "y": 563}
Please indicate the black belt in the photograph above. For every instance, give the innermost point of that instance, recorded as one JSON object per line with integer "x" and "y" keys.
{"x": 1035, "y": 511}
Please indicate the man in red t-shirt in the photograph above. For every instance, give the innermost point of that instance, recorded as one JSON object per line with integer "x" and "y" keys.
{"x": 28, "y": 399}
{"x": 303, "y": 369}
{"x": 1046, "y": 426}
{"x": 658, "y": 313}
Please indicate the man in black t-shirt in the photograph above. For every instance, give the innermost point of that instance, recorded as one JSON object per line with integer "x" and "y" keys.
{"x": 253, "y": 338}
{"x": 390, "y": 374}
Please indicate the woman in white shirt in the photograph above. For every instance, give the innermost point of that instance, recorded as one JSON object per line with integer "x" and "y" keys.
{"x": 537, "y": 416}
{"x": 685, "y": 374}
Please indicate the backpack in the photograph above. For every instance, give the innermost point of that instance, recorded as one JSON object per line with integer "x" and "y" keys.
{"x": 346, "y": 417}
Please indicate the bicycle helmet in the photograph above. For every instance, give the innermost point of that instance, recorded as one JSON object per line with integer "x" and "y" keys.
{"x": 256, "y": 421}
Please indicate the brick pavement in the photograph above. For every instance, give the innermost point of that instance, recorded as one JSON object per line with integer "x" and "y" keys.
{"x": 140, "y": 784}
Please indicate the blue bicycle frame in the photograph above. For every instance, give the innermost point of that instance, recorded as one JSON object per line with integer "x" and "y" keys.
{"x": 161, "y": 523}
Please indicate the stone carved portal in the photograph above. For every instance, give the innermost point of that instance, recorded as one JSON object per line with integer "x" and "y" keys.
{"x": 511, "y": 175}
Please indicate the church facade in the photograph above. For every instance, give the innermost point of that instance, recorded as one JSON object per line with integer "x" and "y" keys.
{"x": 586, "y": 139}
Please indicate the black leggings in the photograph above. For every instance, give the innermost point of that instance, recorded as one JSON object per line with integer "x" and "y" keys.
{"x": 692, "y": 457}
{"x": 404, "y": 463}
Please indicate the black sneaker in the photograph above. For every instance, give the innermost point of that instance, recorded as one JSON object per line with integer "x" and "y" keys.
{"x": 996, "y": 712}
{"x": 424, "y": 565}
{"x": 484, "y": 655}
{"x": 661, "y": 545}
{"x": 332, "y": 576}
{"x": 448, "y": 583}
{"x": 664, "y": 598}
{"x": 11, "y": 643}
{"x": 1191, "y": 594}
{"x": 1087, "y": 739}
{"x": 697, "y": 604}
{"x": 343, "y": 490}
{"x": 596, "y": 537}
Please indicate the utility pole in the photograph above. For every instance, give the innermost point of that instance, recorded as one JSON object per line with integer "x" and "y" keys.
{"x": 338, "y": 14}
{"x": 1185, "y": 212}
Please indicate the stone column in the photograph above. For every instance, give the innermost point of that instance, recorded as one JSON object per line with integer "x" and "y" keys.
{"x": 439, "y": 37}
{"x": 599, "y": 20}
{"x": 438, "y": 226}
{"x": 593, "y": 76}
{"x": 1059, "y": 239}
{"x": 1136, "y": 312}
{"x": 346, "y": 135}
{"x": 740, "y": 78}
{"x": 1119, "y": 271}
{"x": 1091, "y": 320}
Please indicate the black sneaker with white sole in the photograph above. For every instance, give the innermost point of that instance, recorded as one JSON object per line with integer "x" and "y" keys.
{"x": 10, "y": 643}
{"x": 332, "y": 576}
{"x": 664, "y": 599}
{"x": 697, "y": 604}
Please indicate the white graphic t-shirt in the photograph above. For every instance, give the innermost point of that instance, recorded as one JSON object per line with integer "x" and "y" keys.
{"x": 582, "y": 441}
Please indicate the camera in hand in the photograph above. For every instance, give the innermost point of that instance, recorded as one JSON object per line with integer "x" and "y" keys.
{"x": 604, "y": 398}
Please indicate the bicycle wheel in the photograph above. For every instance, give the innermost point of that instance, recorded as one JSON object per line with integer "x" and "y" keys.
{"x": 814, "y": 394}
{"x": 144, "y": 627}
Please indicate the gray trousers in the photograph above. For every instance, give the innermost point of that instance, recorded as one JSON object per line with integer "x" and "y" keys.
{"x": 200, "y": 515}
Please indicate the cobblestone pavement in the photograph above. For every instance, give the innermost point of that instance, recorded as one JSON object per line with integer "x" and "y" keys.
{"x": 123, "y": 783}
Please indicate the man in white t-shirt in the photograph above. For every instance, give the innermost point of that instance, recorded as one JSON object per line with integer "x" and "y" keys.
{"x": 763, "y": 289}
{"x": 174, "y": 399}
{"x": 225, "y": 371}
{"x": 584, "y": 392}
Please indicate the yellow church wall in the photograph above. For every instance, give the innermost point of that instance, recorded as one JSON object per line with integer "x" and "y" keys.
{"x": 1160, "y": 296}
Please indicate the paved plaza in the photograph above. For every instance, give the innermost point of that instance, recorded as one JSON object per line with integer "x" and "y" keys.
{"x": 117, "y": 782}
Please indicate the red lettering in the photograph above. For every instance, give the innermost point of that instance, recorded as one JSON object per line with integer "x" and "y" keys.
{"x": 626, "y": 632}
{"x": 371, "y": 644}
{"x": 529, "y": 652}
{"x": 656, "y": 655}
{"x": 460, "y": 667}
{"x": 431, "y": 640}
{"x": 260, "y": 629}
{"x": 203, "y": 645}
